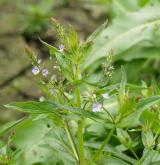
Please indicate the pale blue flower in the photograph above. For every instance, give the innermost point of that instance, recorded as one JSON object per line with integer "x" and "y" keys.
{"x": 44, "y": 72}
{"x": 61, "y": 48}
{"x": 35, "y": 70}
{"x": 96, "y": 107}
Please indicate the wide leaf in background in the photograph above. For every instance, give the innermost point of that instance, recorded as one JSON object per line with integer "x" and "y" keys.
{"x": 37, "y": 142}
{"x": 133, "y": 33}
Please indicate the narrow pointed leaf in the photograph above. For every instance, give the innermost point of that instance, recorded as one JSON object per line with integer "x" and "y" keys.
{"x": 33, "y": 107}
{"x": 6, "y": 127}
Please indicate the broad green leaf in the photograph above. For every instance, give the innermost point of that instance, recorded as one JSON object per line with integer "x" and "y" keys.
{"x": 96, "y": 32}
{"x": 113, "y": 161}
{"x": 34, "y": 107}
{"x": 147, "y": 103}
{"x": 147, "y": 138}
{"x": 136, "y": 32}
{"x": 123, "y": 136}
{"x": 30, "y": 138}
{"x": 58, "y": 142}
{"x": 150, "y": 120}
{"x": 150, "y": 156}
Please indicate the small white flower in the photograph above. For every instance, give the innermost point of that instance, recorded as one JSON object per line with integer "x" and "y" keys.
{"x": 35, "y": 70}
{"x": 96, "y": 107}
{"x": 105, "y": 95}
{"x": 41, "y": 99}
{"x": 44, "y": 72}
{"x": 61, "y": 48}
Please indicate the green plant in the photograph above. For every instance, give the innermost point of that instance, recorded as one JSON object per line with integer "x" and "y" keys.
{"x": 133, "y": 34}
{"x": 35, "y": 17}
{"x": 81, "y": 119}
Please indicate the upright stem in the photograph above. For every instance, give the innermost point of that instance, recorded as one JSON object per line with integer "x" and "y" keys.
{"x": 78, "y": 97}
{"x": 98, "y": 153}
{"x": 80, "y": 122}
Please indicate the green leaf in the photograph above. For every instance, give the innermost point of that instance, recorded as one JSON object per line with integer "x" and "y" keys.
{"x": 6, "y": 127}
{"x": 52, "y": 49}
{"x": 123, "y": 82}
{"x": 133, "y": 119}
{"x": 34, "y": 107}
{"x": 133, "y": 35}
{"x": 123, "y": 136}
{"x": 150, "y": 119}
{"x": 58, "y": 142}
{"x": 116, "y": 86}
{"x": 72, "y": 39}
{"x": 150, "y": 156}
{"x": 30, "y": 138}
{"x": 65, "y": 67}
{"x": 147, "y": 138}
{"x": 96, "y": 32}
{"x": 147, "y": 103}
{"x": 110, "y": 149}
{"x": 113, "y": 161}
{"x": 91, "y": 115}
